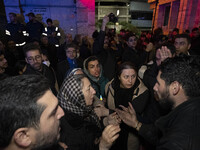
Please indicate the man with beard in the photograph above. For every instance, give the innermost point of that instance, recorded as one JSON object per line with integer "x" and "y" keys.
{"x": 30, "y": 116}
{"x": 178, "y": 87}
{"x": 5, "y": 70}
{"x": 33, "y": 57}
{"x": 29, "y": 113}
{"x": 3, "y": 66}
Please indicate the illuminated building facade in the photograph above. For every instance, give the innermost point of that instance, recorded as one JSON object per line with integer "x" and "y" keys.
{"x": 170, "y": 14}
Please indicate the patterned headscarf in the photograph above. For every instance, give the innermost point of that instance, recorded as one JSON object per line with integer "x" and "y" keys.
{"x": 71, "y": 98}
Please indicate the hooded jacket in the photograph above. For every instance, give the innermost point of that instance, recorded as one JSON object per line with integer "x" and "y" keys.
{"x": 97, "y": 83}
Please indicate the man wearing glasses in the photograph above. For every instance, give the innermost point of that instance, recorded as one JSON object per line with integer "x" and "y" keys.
{"x": 72, "y": 61}
{"x": 33, "y": 57}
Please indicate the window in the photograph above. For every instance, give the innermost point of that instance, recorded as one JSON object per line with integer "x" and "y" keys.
{"x": 141, "y": 15}
{"x": 166, "y": 18}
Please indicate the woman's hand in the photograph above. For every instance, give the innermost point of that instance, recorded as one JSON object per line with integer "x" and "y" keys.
{"x": 101, "y": 110}
{"x": 109, "y": 135}
{"x": 113, "y": 119}
{"x": 63, "y": 145}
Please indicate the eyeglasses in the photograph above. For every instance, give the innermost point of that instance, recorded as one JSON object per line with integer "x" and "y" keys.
{"x": 70, "y": 52}
{"x": 36, "y": 58}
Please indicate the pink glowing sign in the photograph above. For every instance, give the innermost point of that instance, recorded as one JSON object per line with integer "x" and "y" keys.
{"x": 88, "y": 3}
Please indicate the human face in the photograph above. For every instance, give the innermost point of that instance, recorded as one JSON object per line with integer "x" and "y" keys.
{"x": 195, "y": 34}
{"x": 182, "y": 45}
{"x": 68, "y": 38}
{"x": 94, "y": 68}
{"x": 49, "y": 24}
{"x": 106, "y": 42}
{"x": 12, "y": 18}
{"x": 71, "y": 53}
{"x": 34, "y": 58}
{"x": 30, "y": 18}
{"x": 49, "y": 127}
{"x": 3, "y": 62}
{"x": 2, "y": 46}
{"x": 127, "y": 78}
{"x": 45, "y": 40}
{"x": 88, "y": 92}
{"x": 11, "y": 45}
{"x": 161, "y": 91}
{"x": 132, "y": 41}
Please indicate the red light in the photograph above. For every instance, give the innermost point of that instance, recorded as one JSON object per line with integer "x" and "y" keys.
{"x": 89, "y": 4}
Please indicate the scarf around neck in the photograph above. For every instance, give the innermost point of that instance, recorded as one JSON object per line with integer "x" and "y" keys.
{"x": 71, "y": 98}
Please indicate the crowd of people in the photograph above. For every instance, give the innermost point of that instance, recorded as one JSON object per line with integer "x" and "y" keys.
{"x": 116, "y": 91}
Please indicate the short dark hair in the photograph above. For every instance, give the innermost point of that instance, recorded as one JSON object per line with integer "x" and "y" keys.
{"x": 30, "y": 47}
{"x": 18, "y": 104}
{"x": 176, "y": 30}
{"x": 185, "y": 70}
{"x": 31, "y": 14}
{"x": 91, "y": 58}
{"x": 14, "y": 14}
{"x": 70, "y": 46}
{"x": 184, "y": 36}
{"x": 195, "y": 29}
{"x": 20, "y": 64}
{"x": 126, "y": 65}
{"x": 1, "y": 53}
{"x": 49, "y": 20}
{"x": 129, "y": 34}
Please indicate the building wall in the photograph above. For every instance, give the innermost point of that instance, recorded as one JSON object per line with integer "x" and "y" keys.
{"x": 102, "y": 9}
{"x": 184, "y": 14}
{"x": 141, "y": 8}
{"x": 75, "y": 17}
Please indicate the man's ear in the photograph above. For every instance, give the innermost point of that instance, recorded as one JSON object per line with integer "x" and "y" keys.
{"x": 189, "y": 46}
{"x": 175, "y": 86}
{"x": 119, "y": 77}
{"x": 26, "y": 60}
{"x": 22, "y": 137}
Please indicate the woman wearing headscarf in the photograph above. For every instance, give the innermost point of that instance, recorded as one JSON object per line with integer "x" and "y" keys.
{"x": 94, "y": 71}
{"x": 80, "y": 127}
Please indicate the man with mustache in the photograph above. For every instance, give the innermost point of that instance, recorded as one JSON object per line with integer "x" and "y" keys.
{"x": 29, "y": 113}
{"x": 33, "y": 57}
{"x": 178, "y": 87}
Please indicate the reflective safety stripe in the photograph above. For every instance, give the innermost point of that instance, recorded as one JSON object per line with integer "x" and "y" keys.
{"x": 27, "y": 34}
{"x": 58, "y": 34}
{"x": 44, "y": 34}
{"x": 21, "y": 44}
{"x": 56, "y": 45}
{"x": 8, "y": 32}
{"x": 45, "y": 29}
{"x": 56, "y": 29}
{"x": 24, "y": 33}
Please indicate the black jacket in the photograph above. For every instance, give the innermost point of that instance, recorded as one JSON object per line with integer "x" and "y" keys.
{"x": 63, "y": 68}
{"x": 77, "y": 133}
{"x": 47, "y": 72}
{"x": 134, "y": 56}
{"x": 107, "y": 57}
{"x": 179, "y": 130}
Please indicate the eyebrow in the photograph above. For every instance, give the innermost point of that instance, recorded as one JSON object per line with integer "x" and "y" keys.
{"x": 89, "y": 87}
{"x": 91, "y": 65}
{"x": 54, "y": 110}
